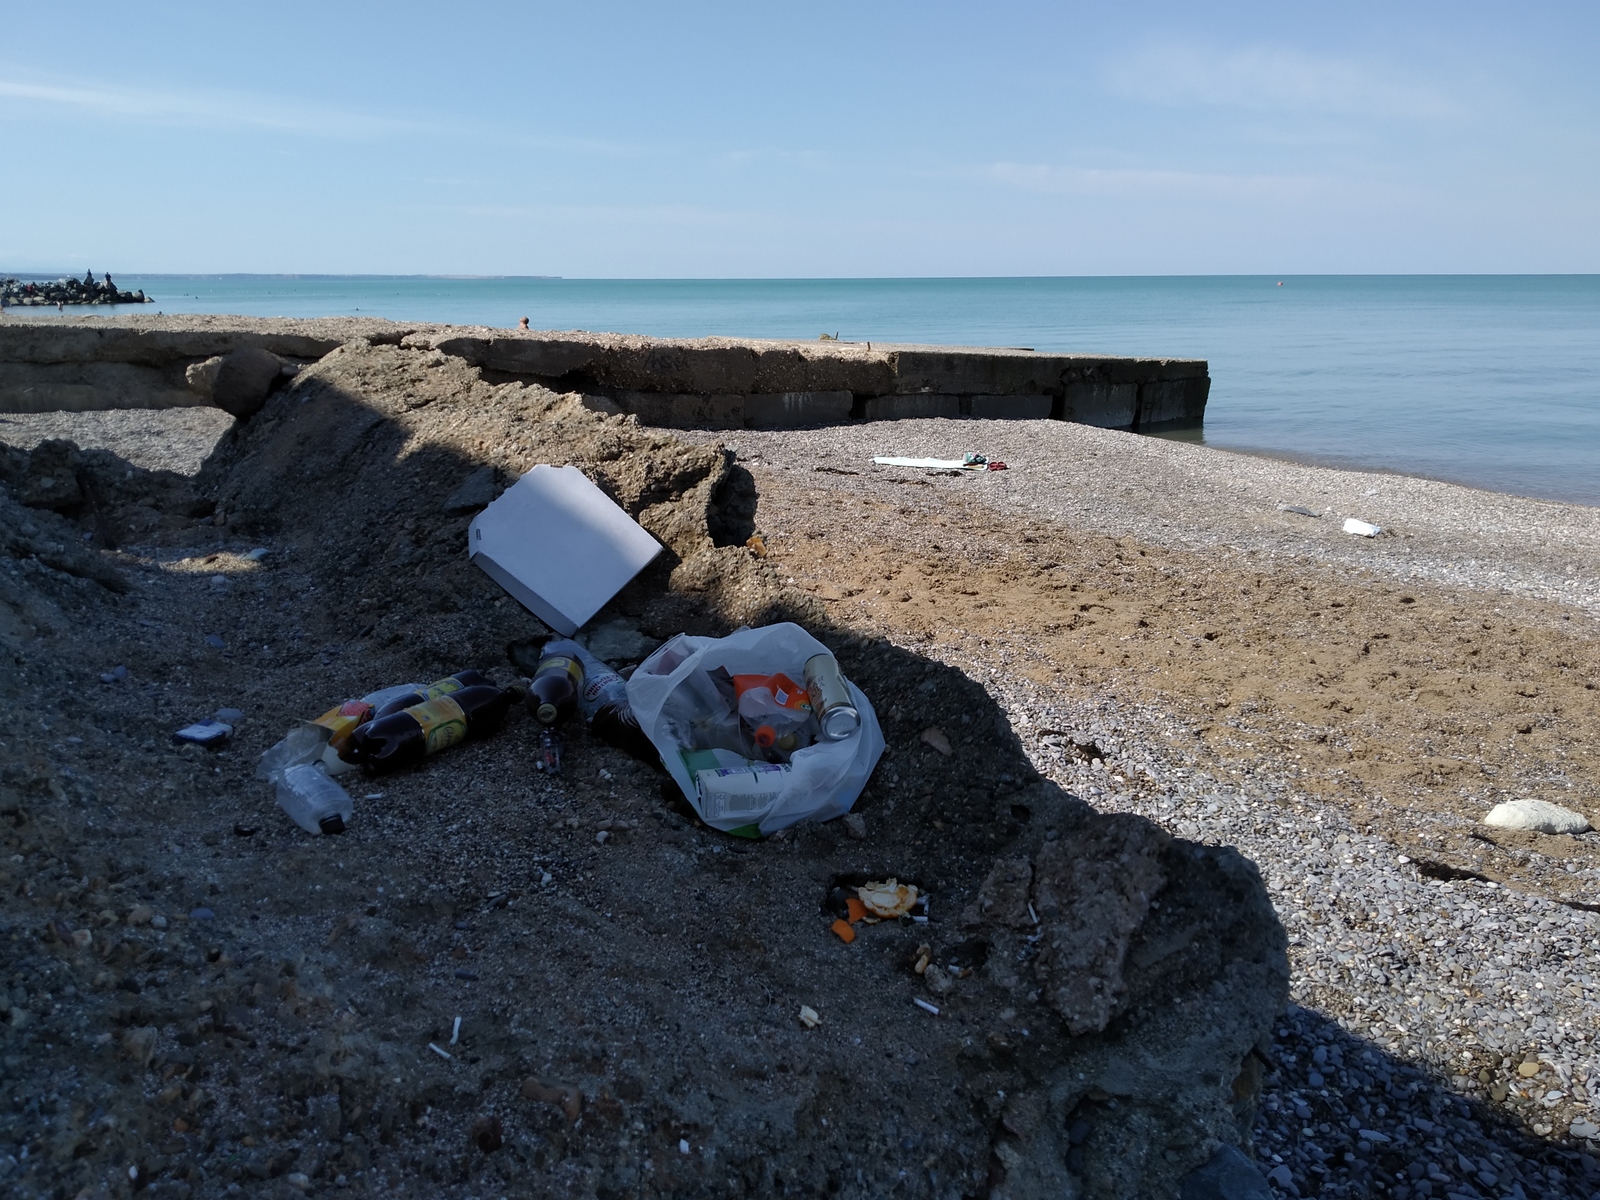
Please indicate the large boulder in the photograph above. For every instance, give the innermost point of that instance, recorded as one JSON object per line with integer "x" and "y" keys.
{"x": 238, "y": 382}
{"x": 1154, "y": 968}
{"x": 51, "y": 476}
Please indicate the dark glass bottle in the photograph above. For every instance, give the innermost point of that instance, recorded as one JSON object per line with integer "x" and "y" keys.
{"x": 409, "y": 736}
{"x": 553, "y": 695}
{"x": 440, "y": 687}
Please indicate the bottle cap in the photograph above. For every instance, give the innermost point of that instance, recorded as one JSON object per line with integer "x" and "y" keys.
{"x": 547, "y": 713}
{"x": 765, "y": 735}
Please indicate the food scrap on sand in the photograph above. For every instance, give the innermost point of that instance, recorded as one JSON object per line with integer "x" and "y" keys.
{"x": 889, "y": 899}
{"x": 878, "y": 901}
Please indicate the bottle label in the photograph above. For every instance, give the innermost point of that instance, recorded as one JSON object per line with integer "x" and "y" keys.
{"x": 557, "y": 662}
{"x": 443, "y": 723}
{"x": 445, "y": 687}
{"x": 342, "y": 720}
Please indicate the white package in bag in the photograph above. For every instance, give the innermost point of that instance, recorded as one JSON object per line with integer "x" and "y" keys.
{"x": 680, "y": 711}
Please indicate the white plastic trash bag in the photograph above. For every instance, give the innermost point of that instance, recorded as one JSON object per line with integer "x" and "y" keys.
{"x": 680, "y": 710}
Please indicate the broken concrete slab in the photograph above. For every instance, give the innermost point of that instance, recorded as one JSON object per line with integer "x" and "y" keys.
{"x": 1101, "y": 403}
{"x": 900, "y": 408}
{"x": 792, "y": 410}
{"x": 1011, "y": 408}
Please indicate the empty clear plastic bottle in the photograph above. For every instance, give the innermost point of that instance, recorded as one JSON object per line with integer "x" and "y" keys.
{"x": 316, "y": 803}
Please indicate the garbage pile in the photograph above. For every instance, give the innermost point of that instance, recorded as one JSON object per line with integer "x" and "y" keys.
{"x": 759, "y": 729}
{"x": 67, "y": 290}
{"x": 394, "y": 727}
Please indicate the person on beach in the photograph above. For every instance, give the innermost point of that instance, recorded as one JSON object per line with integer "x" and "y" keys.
{"x": 522, "y": 324}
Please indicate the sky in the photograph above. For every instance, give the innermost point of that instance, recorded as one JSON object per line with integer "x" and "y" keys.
{"x": 818, "y": 140}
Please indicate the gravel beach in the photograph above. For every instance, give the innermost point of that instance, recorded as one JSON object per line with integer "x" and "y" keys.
{"x": 1104, "y": 590}
{"x": 1443, "y": 1036}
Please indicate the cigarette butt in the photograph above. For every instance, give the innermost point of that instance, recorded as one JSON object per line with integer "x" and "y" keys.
{"x": 925, "y": 1006}
{"x": 447, "y": 1054}
{"x": 455, "y": 1033}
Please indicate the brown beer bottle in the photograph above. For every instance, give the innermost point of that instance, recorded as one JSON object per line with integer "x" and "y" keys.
{"x": 409, "y": 736}
{"x": 557, "y": 683}
{"x": 440, "y": 687}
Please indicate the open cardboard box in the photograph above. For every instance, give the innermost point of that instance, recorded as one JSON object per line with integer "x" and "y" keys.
{"x": 559, "y": 545}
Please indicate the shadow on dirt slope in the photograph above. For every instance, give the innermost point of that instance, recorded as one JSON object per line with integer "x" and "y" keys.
{"x": 199, "y": 995}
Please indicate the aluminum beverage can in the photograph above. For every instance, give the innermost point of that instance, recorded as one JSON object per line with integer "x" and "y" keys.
{"x": 831, "y": 702}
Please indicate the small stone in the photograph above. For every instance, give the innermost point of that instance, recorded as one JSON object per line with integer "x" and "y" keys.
{"x": 487, "y": 1134}
{"x": 202, "y": 914}
{"x": 855, "y": 825}
{"x": 619, "y": 642}
{"x": 1228, "y": 1175}
{"x": 1585, "y": 1129}
{"x": 158, "y": 922}
{"x": 603, "y": 836}
{"x": 1528, "y": 1069}
{"x": 1539, "y": 816}
{"x": 82, "y": 939}
{"x": 809, "y": 1017}
{"x": 1282, "y": 1176}
{"x": 683, "y": 1145}
{"x": 298, "y": 1180}
{"x": 229, "y": 716}
{"x": 214, "y": 640}
{"x": 935, "y": 737}
{"x": 140, "y": 914}
{"x": 476, "y": 491}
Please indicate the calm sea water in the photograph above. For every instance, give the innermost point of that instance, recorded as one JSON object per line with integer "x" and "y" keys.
{"x": 1492, "y": 381}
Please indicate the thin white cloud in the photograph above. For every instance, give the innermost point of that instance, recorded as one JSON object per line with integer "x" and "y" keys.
{"x": 1266, "y": 78}
{"x": 215, "y": 110}
{"x": 267, "y": 114}
{"x": 1153, "y": 184}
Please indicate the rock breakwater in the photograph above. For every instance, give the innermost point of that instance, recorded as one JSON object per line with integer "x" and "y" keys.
{"x": 67, "y": 290}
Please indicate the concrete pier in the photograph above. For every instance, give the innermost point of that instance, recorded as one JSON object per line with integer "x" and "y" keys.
{"x": 707, "y": 383}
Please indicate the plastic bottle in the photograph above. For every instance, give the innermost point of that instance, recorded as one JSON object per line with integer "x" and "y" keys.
{"x": 439, "y": 687}
{"x": 409, "y": 736}
{"x": 317, "y": 803}
{"x": 549, "y": 760}
{"x": 553, "y": 695}
{"x": 604, "y": 701}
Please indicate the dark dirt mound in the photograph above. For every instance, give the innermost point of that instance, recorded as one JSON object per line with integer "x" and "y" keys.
{"x": 355, "y": 462}
{"x": 197, "y": 996}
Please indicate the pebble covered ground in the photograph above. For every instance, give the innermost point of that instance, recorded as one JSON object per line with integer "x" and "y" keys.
{"x": 1442, "y": 1040}
{"x": 1442, "y": 1037}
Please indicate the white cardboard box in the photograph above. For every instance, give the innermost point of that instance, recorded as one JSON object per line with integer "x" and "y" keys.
{"x": 559, "y": 545}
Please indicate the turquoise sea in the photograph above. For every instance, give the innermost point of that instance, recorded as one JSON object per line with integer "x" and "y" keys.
{"x": 1492, "y": 381}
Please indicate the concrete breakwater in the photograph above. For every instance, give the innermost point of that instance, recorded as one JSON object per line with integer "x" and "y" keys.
{"x": 707, "y": 383}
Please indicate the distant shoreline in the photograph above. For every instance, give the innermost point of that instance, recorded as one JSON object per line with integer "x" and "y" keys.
{"x": 1489, "y": 381}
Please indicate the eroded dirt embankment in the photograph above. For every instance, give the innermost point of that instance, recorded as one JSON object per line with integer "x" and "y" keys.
{"x": 198, "y": 995}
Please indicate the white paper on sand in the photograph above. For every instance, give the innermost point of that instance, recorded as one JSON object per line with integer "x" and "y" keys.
{"x": 933, "y": 464}
{"x": 559, "y": 545}
{"x": 1361, "y": 528}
